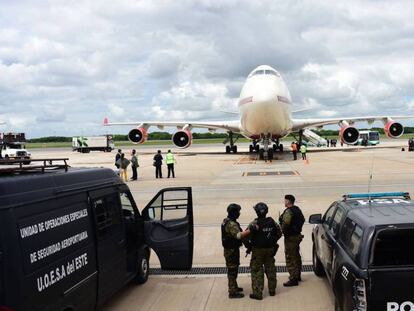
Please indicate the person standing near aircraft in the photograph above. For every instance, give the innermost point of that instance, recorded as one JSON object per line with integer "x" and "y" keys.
{"x": 134, "y": 165}
{"x": 117, "y": 157}
{"x": 265, "y": 233}
{"x": 303, "y": 150}
{"x": 170, "y": 160}
{"x": 158, "y": 164}
{"x": 231, "y": 239}
{"x": 292, "y": 221}
{"x": 294, "y": 150}
{"x": 123, "y": 164}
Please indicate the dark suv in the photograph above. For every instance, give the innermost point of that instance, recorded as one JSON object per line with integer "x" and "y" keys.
{"x": 364, "y": 245}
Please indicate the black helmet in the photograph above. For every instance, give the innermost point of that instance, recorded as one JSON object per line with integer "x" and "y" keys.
{"x": 261, "y": 209}
{"x": 233, "y": 207}
{"x": 233, "y": 211}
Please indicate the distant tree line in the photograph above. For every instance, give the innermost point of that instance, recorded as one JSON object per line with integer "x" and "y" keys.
{"x": 168, "y": 136}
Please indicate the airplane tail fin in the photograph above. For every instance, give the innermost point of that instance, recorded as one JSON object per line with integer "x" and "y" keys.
{"x": 105, "y": 121}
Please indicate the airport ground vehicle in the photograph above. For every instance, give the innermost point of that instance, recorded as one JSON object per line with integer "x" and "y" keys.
{"x": 363, "y": 244}
{"x": 368, "y": 138}
{"x": 70, "y": 238}
{"x": 12, "y": 147}
{"x": 86, "y": 144}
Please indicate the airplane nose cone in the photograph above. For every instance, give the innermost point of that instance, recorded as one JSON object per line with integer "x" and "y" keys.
{"x": 265, "y": 97}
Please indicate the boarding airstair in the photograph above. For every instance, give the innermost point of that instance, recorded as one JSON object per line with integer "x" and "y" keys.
{"x": 313, "y": 138}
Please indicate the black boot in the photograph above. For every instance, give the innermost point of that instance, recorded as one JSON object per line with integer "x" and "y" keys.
{"x": 236, "y": 295}
{"x": 256, "y": 297}
{"x": 239, "y": 289}
{"x": 272, "y": 293}
{"x": 293, "y": 282}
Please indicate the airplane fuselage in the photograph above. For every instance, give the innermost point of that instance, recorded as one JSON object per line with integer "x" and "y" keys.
{"x": 265, "y": 105}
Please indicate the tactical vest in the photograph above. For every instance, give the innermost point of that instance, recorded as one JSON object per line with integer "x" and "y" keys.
{"x": 170, "y": 158}
{"x": 265, "y": 236}
{"x": 226, "y": 239}
{"x": 296, "y": 223}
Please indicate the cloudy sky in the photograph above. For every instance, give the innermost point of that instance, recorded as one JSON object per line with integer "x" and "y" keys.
{"x": 65, "y": 65}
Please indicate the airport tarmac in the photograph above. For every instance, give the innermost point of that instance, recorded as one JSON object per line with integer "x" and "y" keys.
{"x": 218, "y": 179}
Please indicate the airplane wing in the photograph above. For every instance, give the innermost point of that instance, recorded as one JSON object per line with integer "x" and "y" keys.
{"x": 299, "y": 124}
{"x": 231, "y": 126}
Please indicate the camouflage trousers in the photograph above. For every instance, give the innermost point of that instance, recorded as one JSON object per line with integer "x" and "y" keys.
{"x": 232, "y": 257}
{"x": 292, "y": 255}
{"x": 263, "y": 261}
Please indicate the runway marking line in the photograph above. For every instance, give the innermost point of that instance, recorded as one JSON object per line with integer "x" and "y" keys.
{"x": 271, "y": 173}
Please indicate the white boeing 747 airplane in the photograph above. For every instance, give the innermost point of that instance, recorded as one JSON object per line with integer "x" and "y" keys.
{"x": 265, "y": 108}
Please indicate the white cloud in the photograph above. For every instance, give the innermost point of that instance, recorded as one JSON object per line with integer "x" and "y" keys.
{"x": 188, "y": 59}
{"x": 116, "y": 110}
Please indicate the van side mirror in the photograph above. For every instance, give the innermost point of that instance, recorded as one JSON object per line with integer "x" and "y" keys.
{"x": 315, "y": 219}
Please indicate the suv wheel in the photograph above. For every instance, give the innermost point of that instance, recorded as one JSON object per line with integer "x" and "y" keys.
{"x": 316, "y": 263}
{"x": 143, "y": 268}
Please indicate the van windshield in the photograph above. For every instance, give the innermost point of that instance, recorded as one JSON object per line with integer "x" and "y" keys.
{"x": 393, "y": 248}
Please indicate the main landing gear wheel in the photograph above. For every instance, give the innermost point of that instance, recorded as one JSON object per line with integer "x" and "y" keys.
{"x": 281, "y": 147}
{"x": 274, "y": 147}
{"x": 251, "y": 148}
{"x": 234, "y": 149}
{"x": 228, "y": 149}
{"x": 257, "y": 148}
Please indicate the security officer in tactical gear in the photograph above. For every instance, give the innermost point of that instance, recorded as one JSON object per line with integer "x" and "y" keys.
{"x": 264, "y": 234}
{"x": 292, "y": 221}
{"x": 231, "y": 238}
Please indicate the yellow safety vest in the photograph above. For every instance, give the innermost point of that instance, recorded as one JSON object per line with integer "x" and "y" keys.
{"x": 170, "y": 158}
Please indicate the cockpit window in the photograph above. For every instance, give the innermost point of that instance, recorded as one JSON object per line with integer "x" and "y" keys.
{"x": 265, "y": 72}
{"x": 272, "y": 72}
{"x": 259, "y": 72}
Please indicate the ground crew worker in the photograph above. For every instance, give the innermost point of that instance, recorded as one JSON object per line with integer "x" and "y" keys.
{"x": 117, "y": 157}
{"x": 303, "y": 150}
{"x": 158, "y": 164}
{"x": 231, "y": 238}
{"x": 294, "y": 150}
{"x": 170, "y": 160}
{"x": 292, "y": 221}
{"x": 134, "y": 165}
{"x": 265, "y": 233}
{"x": 123, "y": 166}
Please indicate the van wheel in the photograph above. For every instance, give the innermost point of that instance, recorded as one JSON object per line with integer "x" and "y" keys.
{"x": 143, "y": 268}
{"x": 317, "y": 264}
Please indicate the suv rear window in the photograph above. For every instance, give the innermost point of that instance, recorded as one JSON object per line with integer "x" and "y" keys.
{"x": 393, "y": 248}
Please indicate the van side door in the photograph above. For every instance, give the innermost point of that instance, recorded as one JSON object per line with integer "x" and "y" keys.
{"x": 110, "y": 242}
{"x": 168, "y": 226}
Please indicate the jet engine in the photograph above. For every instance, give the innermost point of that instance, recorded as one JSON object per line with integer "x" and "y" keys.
{"x": 182, "y": 139}
{"x": 393, "y": 129}
{"x": 138, "y": 135}
{"x": 348, "y": 134}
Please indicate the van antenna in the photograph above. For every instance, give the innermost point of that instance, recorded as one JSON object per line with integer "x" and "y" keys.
{"x": 370, "y": 178}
